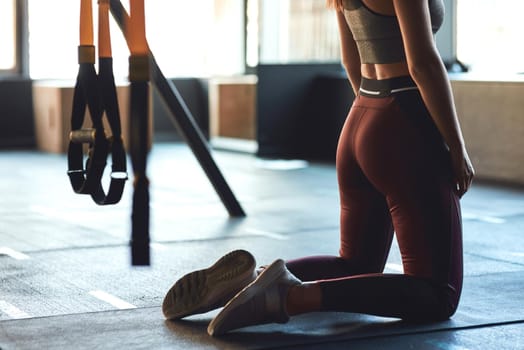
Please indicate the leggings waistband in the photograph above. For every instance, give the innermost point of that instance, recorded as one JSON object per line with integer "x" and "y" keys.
{"x": 386, "y": 87}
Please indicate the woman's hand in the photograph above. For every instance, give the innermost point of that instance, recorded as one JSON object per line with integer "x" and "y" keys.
{"x": 463, "y": 171}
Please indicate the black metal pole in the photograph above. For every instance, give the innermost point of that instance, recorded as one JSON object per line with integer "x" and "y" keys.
{"x": 185, "y": 123}
{"x": 180, "y": 116}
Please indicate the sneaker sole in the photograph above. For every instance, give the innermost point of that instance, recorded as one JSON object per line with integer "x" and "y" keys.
{"x": 264, "y": 280}
{"x": 203, "y": 290}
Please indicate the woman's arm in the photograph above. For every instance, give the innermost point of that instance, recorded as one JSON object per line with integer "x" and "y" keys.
{"x": 349, "y": 53}
{"x": 428, "y": 72}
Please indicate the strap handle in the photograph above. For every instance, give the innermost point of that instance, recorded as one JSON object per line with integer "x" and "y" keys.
{"x": 109, "y": 104}
{"x": 98, "y": 94}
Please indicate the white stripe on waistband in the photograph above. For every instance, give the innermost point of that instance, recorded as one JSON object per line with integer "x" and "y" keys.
{"x": 370, "y": 92}
{"x": 404, "y": 89}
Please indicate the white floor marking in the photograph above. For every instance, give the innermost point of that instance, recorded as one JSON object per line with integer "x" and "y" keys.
{"x": 484, "y": 218}
{"x": 111, "y": 299}
{"x": 13, "y": 253}
{"x": 12, "y": 311}
{"x": 281, "y": 164}
{"x": 518, "y": 254}
{"x": 394, "y": 267}
{"x": 158, "y": 246}
{"x": 268, "y": 234}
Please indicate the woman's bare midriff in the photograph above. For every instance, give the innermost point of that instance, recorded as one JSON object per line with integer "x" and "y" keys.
{"x": 388, "y": 70}
{"x": 384, "y": 70}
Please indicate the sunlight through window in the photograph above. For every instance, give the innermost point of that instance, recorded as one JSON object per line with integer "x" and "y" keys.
{"x": 188, "y": 38}
{"x": 489, "y": 35}
{"x": 7, "y": 34}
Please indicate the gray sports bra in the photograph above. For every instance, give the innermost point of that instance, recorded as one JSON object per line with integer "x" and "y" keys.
{"x": 378, "y": 36}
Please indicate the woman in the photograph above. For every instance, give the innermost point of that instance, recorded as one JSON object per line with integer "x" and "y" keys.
{"x": 402, "y": 166}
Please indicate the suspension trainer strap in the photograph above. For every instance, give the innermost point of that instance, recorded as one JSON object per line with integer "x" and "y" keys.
{"x": 97, "y": 93}
{"x": 184, "y": 121}
{"x": 109, "y": 101}
{"x": 139, "y": 132}
{"x": 86, "y": 179}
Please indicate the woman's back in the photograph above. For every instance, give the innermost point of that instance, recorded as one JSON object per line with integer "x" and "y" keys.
{"x": 377, "y": 33}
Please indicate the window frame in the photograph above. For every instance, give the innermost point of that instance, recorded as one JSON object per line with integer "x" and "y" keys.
{"x": 21, "y": 66}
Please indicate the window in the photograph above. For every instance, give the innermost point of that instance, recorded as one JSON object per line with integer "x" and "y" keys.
{"x": 8, "y": 46}
{"x": 290, "y": 31}
{"x": 188, "y": 38}
{"x": 489, "y": 35}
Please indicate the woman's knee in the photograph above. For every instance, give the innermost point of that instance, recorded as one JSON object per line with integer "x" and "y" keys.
{"x": 448, "y": 297}
{"x": 441, "y": 302}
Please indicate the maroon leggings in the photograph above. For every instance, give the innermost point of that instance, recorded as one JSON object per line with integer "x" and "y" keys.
{"x": 394, "y": 175}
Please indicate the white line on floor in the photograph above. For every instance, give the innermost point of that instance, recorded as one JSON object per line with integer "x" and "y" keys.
{"x": 111, "y": 299}
{"x": 484, "y": 218}
{"x": 281, "y": 164}
{"x": 13, "y": 253}
{"x": 158, "y": 246}
{"x": 268, "y": 234}
{"x": 394, "y": 267}
{"x": 12, "y": 311}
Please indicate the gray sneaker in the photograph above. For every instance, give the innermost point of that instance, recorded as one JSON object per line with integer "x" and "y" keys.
{"x": 204, "y": 290}
{"x": 263, "y": 301}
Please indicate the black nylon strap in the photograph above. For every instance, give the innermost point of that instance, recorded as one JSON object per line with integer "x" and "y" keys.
{"x": 139, "y": 142}
{"x": 109, "y": 101}
{"x": 86, "y": 179}
{"x": 98, "y": 94}
{"x": 140, "y": 254}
